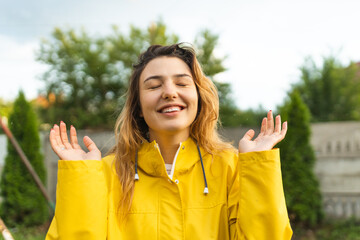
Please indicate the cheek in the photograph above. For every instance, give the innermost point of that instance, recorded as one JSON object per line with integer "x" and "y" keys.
{"x": 147, "y": 103}
{"x": 195, "y": 103}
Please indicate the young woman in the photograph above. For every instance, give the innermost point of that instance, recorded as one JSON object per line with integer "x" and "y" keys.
{"x": 170, "y": 176}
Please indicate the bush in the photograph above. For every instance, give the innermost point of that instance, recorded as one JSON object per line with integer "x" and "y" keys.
{"x": 23, "y": 202}
{"x": 301, "y": 187}
{"x": 341, "y": 230}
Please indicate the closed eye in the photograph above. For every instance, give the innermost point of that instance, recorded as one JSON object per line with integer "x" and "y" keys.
{"x": 154, "y": 87}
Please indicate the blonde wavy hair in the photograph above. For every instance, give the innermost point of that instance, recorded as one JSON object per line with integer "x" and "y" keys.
{"x": 131, "y": 129}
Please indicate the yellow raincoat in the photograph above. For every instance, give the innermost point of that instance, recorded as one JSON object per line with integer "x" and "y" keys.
{"x": 245, "y": 199}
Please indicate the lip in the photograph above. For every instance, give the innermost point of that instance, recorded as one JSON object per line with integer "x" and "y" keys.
{"x": 181, "y": 106}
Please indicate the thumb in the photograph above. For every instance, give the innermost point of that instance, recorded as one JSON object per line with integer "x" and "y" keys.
{"x": 249, "y": 135}
{"x": 90, "y": 144}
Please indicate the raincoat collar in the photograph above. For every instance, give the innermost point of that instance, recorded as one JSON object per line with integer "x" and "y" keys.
{"x": 151, "y": 161}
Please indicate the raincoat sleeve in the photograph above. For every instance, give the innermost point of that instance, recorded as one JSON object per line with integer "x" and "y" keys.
{"x": 81, "y": 201}
{"x": 260, "y": 211}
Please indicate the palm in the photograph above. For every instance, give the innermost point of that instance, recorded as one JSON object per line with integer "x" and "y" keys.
{"x": 269, "y": 136}
{"x": 71, "y": 150}
{"x": 77, "y": 154}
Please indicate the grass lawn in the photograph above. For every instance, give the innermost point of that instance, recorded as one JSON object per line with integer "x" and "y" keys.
{"x": 31, "y": 233}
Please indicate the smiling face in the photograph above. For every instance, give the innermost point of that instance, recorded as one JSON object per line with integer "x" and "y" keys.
{"x": 168, "y": 97}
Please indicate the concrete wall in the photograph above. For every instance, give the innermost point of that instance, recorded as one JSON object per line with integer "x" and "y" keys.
{"x": 3, "y": 149}
{"x": 337, "y": 147}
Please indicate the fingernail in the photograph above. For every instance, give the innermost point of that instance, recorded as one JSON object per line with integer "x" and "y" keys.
{"x": 61, "y": 122}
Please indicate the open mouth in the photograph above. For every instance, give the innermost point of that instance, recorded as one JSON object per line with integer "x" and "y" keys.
{"x": 171, "y": 109}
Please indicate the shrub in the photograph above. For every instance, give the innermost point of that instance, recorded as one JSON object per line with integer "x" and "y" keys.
{"x": 23, "y": 202}
{"x": 301, "y": 187}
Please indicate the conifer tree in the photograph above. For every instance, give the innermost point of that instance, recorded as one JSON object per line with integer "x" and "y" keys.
{"x": 23, "y": 203}
{"x": 303, "y": 197}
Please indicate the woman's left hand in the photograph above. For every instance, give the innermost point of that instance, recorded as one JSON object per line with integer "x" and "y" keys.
{"x": 269, "y": 135}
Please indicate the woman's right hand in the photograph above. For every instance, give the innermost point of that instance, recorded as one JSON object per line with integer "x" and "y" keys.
{"x": 71, "y": 150}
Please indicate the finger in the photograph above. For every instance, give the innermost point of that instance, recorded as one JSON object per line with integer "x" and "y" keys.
{"x": 63, "y": 135}
{"x": 277, "y": 124}
{"x": 270, "y": 122}
{"x": 73, "y": 138}
{"x": 249, "y": 135}
{"x": 284, "y": 130}
{"x": 263, "y": 126}
{"x": 53, "y": 142}
{"x": 57, "y": 136}
{"x": 90, "y": 144}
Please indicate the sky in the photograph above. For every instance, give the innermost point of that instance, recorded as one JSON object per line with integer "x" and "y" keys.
{"x": 265, "y": 42}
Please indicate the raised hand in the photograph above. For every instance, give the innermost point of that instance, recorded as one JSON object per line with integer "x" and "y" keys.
{"x": 71, "y": 150}
{"x": 269, "y": 135}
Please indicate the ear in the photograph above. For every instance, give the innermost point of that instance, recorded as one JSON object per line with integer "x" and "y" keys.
{"x": 141, "y": 113}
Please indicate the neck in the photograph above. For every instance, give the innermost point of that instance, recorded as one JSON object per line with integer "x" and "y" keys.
{"x": 168, "y": 144}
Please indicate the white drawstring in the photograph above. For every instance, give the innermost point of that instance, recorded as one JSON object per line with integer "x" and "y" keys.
{"x": 206, "y": 189}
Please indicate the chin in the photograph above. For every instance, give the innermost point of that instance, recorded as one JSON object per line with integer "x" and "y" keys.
{"x": 173, "y": 129}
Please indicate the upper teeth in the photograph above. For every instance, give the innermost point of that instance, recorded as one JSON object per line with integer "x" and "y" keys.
{"x": 171, "y": 109}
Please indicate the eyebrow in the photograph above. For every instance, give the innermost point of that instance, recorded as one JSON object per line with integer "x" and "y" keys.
{"x": 159, "y": 77}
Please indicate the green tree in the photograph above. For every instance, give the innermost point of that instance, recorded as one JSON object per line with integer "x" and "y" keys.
{"x": 88, "y": 75}
{"x": 85, "y": 80}
{"x": 332, "y": 92}
{"x": 23, "y": 202}
{"x": 5, "y": 109}
{"x": 303, "y": 197}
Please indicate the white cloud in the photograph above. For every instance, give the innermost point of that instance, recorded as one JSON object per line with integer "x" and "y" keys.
{"x": 18, "y": 69}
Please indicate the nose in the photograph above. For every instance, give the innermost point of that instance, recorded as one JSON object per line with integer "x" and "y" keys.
{"x": 169, "y": 91}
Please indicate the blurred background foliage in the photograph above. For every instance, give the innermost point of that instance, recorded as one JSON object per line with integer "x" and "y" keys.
{"x": 5, "y": 109}
{"x": 88, "y": 76}
{"x": 331, "y": 91}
